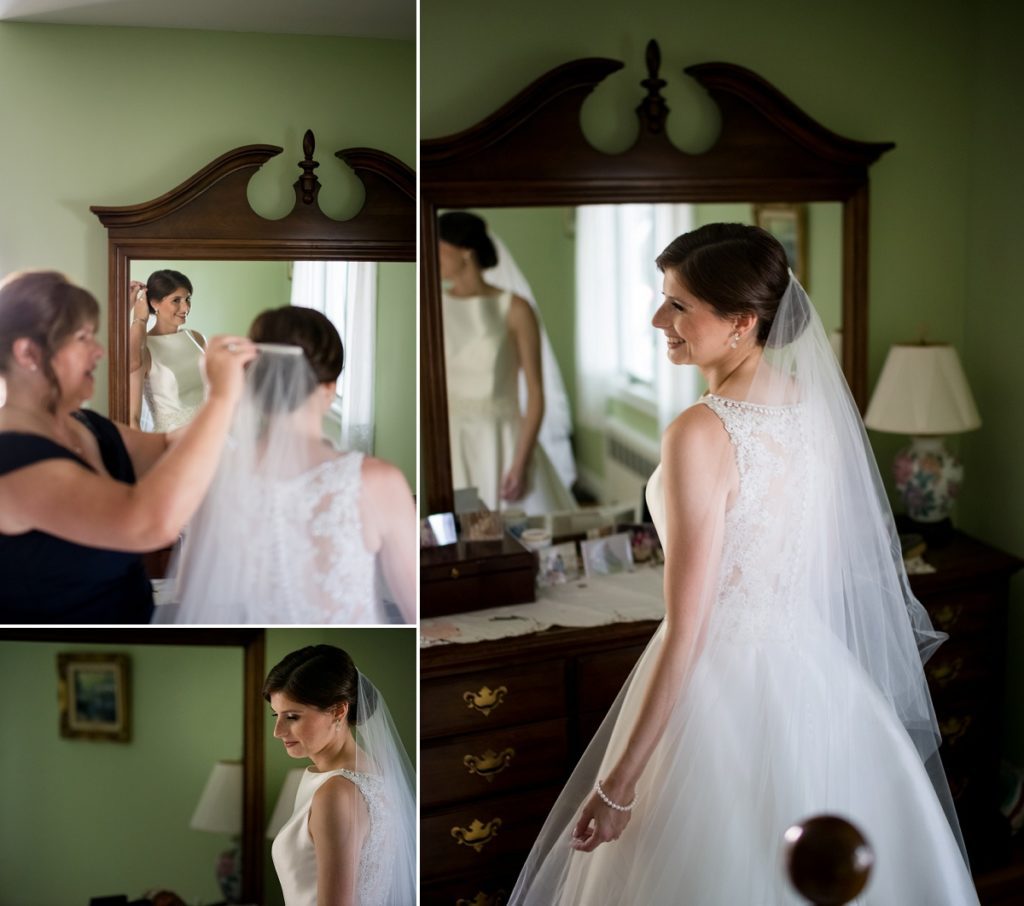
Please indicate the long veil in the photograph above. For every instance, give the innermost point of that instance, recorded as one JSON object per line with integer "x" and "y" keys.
{"x": 381, "y": 756}
{"x": 277, "y": 538}
{"x": 821, "y": 570}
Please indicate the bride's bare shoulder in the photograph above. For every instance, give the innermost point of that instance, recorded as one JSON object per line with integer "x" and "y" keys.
{"x": 695, "y": 430}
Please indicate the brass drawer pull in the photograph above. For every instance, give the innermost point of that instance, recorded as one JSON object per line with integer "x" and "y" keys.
{"x": 947, "y": 615}
{"x": 483, "y": 899}
{"x": 477, "y": 835}
{"x": 455, "y": 572}
{"x": 954, "y": 728}
{"x": 485, "y": 701}
{"x": 947, "y": 672}
{"x": 490, "y": 763}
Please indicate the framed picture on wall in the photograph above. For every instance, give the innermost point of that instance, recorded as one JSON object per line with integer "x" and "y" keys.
{"x": 94, "y": 694}
{"x": 788, "y": 224}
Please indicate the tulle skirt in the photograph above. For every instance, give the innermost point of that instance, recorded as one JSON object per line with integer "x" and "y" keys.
{"x": 767, "y": 733}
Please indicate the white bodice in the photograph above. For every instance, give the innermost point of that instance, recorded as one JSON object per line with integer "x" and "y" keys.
{"x": 759, "y": 591}
{"x": 481, "y": 364}
{"x": 295, "y": 857}
{"x": 173, "y": 389}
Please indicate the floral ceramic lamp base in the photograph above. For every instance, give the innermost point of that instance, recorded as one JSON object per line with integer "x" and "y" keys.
{"x": 928, "y": 477}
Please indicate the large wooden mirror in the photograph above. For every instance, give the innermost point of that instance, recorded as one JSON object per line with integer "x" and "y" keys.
{"x": 137, "y": 795}
{"x": 529, "y": 162}
{"x": 209, "y": 218}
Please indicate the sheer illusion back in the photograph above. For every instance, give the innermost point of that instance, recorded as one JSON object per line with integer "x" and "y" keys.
{"x": 279, "y": 537}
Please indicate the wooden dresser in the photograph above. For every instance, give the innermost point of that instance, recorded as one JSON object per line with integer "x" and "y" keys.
{"x": 502, "y": 724}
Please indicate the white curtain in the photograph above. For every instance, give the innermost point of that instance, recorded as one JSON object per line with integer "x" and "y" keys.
{"x": 601, "y": 273}
{"x": 346, "y": 292}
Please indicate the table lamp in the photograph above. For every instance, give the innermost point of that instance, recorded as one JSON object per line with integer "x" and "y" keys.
{"x": 922, "y": 391}
{"x": 285, "y": 805}
{"x": 220, "y": 811}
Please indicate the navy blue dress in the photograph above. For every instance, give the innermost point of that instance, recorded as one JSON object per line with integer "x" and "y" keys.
{"x": 44, "y": 579}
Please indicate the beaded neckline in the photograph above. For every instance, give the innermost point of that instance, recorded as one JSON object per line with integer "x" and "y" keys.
{"x": 729, "y": 401}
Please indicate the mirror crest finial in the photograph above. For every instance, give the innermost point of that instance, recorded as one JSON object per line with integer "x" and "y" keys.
{"x": 308, "y": 185}
{"x": 653, "y": 111}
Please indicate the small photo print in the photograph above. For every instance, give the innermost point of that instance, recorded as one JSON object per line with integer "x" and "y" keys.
{"x": 607, "y": 556}
{"x": 644, "y": 542}
{"x": 438, "y": 530}
{"x": 559, "y": 564}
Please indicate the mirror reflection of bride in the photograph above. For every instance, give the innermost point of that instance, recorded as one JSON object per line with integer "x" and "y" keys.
{"x": 491, "y": 335}
{"x": 293, "y": 529}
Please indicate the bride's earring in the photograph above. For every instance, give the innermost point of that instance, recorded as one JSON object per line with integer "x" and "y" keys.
{"x": 735, "y": 340}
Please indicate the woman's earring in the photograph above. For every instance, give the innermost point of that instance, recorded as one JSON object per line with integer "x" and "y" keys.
{"x": 735, "y": 339}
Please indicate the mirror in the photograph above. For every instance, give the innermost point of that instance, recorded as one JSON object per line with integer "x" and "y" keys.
{"x": 371, "y": 304}
{"x": 123, "y": 809}
{"x": 768, "y": 151}
{"x": 208, "y": 219}
{"x": 610, "y": 397}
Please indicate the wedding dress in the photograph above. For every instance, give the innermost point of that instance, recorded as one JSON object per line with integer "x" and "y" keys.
{"x": 484, "y": 419}
{"x": 804, "y": 693}
{"x": 279, "y": 536}
{"x": 173, "y": 390}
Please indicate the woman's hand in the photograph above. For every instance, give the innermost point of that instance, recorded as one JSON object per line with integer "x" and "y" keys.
{"x": 513, "y": 485}
{"x": 224, "y": 364}
{"x": 598, "y": 824}
{"x": 137, "y": 301}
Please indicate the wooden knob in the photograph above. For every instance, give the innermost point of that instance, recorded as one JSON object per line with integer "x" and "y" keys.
{"x": 828, "y": 860}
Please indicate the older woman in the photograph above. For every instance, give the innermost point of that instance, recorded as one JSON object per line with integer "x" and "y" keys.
{"x": 81, "y": 497}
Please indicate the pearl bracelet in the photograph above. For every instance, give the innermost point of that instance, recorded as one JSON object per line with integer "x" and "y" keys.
{"x": 609, "y": 803}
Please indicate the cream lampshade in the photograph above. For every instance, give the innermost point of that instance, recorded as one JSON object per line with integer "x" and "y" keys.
{"x": 923, "y": 391}
{"x": 220, "y": 811}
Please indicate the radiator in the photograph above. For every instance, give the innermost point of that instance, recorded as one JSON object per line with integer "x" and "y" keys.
{"x": 629, "y": 460}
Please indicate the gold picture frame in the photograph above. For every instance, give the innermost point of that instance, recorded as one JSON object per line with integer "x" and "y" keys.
{"x": 788, "y": 224}
{"x": 94, "y": 691}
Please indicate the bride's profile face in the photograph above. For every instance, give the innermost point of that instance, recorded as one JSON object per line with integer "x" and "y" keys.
{"x": 173, "y": 309}
{"x": 694, "y": 331}
{"x": 451, "y": 259}
{"x": 305, "y": 731}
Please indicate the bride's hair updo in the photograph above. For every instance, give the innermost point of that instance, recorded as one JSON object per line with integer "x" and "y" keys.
{"x": 467, "y": 231}
{"x": 46, "y": 308}
{"x": 162, "y": 283}
{"x": 324, "y": 677}
{"x": 736, "y": 269}
{"x": 321, "y": 345}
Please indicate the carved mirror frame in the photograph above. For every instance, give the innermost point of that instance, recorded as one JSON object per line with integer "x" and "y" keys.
{"x": 768, "y": 150}
{"x": 208, "y": 217}
{"x": 253, "y": 645}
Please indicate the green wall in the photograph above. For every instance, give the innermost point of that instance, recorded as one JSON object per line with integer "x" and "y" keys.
{"x": 941, "y": 80}
{"x": 112, "y": 116}
{"x": 83, "y": 818}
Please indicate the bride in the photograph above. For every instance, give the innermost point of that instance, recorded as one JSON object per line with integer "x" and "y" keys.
{"x": 786, "y": 679}
{"x": 351, "y": 839}
{"x": 293, "y": 529}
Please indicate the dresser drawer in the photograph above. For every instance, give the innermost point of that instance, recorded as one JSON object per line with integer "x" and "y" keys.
{"x": 488, "y": 699}
{"x": 966, "y": 611}
{"x": 470, "y": 839}
{"x": 496, "y": 761}
{"x": 489, "y": 888}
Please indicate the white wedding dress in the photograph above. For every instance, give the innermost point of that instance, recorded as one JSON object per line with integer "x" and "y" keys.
{"x": 294, "y": 854}
{"x": 482, "y": 371}
{"x": 173, "y": 390}
{"x": 777, "y": 723}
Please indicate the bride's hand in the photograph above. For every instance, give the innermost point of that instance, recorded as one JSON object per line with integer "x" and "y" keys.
{"x": 598, "y": 824}
{"x": 513, "y": 485}
{"x": 137, "y": 301}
